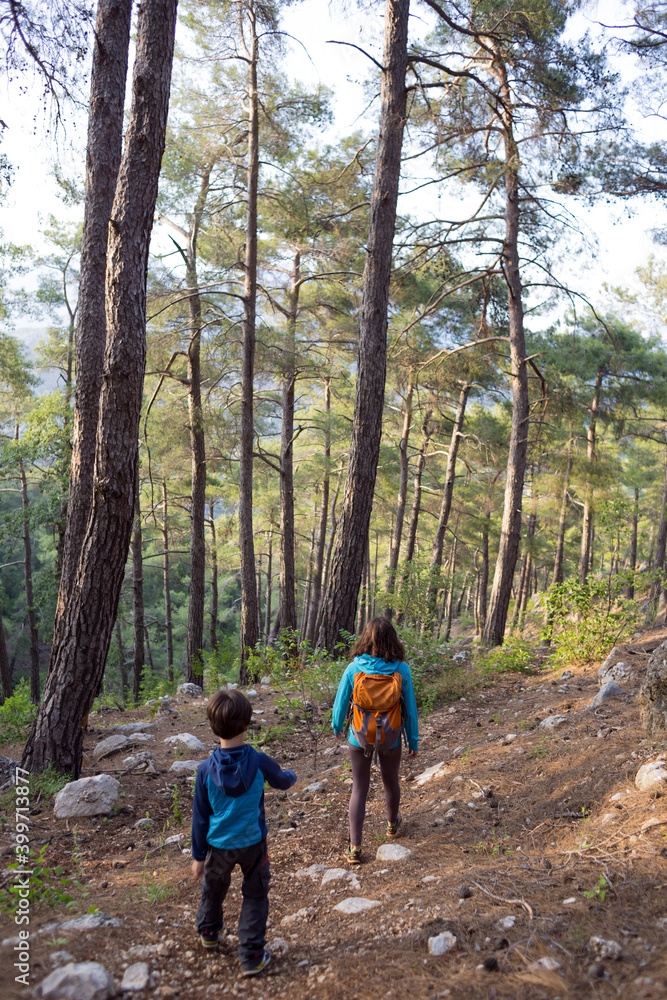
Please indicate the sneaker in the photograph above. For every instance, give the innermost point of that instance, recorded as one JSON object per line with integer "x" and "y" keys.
{"x": 209, "y": 939}
{"x": 254, "y": 970}
{"x": 392, "y": 828}
{"x": 353, "y": 855}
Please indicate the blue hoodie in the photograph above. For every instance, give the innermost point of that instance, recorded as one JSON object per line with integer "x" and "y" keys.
{"x": 228, "y": 806}
{"x": 374, "y": 665}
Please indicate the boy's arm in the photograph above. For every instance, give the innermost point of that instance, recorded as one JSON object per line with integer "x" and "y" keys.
{"x": 201, "y": 811}
{"x": 343, "y": 695}
{"x": 412, "y": 722}
{"x": 274, "y": 774}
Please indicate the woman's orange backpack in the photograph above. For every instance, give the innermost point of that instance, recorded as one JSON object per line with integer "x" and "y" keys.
{"x": 377, "y": 711}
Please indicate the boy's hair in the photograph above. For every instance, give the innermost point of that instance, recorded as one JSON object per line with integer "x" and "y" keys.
{"x": 379, "y": 639}
{"x": 229, "y": 713}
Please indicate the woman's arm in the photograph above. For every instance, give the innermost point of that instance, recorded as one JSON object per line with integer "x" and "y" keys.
{"x": 342, "y": 701}
{"x": 412, "y": 721}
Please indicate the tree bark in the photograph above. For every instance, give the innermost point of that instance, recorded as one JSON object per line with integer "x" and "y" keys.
{"x": 249, "y": 635}
{"x": 347, "y": 563}
{"x": 287, "y": 578}
{"x": 214, "y": 581}
{"x": 397, "y": 533}
{"x": 269, "y": 589}
{"x": 586, "y": 558}
{"x": 29, "y": 597}
{"x": 560, "y": 540}
{"x": 416, "y": 508}
{"x": 633, "y": 545}
{"x": 83, "y": 628}
{"x": 510, "y": 533}
{"x": 330, "y": 545}
{"x": 316, "y": 593}
{"x": 103, "y": 156}
{"x": 166, "y": 577}
{"x": 5, "y": 672}
{"x": 660, "y": 545}
{"x": 138, "y": 616}
{"x": 121, "y": 654}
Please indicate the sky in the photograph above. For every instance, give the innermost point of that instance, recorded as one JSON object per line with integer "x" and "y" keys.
{"x": 621, "y": 232}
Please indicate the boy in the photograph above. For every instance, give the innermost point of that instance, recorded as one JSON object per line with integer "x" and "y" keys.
{"x": 228, "y": 828}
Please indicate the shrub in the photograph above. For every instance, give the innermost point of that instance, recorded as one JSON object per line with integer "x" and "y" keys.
{"x": 17, "y": 714}
{"x": 585, "y": 620}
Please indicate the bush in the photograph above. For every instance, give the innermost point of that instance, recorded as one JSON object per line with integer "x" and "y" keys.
{"x": 17, "y": 714}
{"x": 585, "y": 620}
{"x": 514, "y": 656}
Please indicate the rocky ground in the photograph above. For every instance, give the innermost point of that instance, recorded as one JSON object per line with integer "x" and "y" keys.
{"x": 529, "y": 844}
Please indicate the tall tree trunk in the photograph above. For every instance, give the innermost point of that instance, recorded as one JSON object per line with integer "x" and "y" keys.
{"x": 29, "y": 597}
{"x": 330, "y": 545}
{"x": 138, "y": 627}
{"x": 307, "y": 588}
{"x": 527, "y": 587}
{"x": 287, "y": 579}
{"x": 660, "y": 546}
{"x": 214, "y": 580}
{"x": 633, "y": 545}
{"x": 316, "y": 592}
{"x": 103, "y": 155}
{"x": 560, "y": 540}
{"x": 269, "y": 589}
{"x": 510, "y": 532}
{"x": 121, "y": 654}
{"x": 347, "y": 566}
{"x": 196, "y": 602}
{"x": 447, "y": 494}
{"x": 5, "y": 672}
{"x": 427, "y": 431}
{"x": 397, "y": 534}
{"x": 83, "y": 628}
{"x": 586, "y": 558}
{"x": 249, "y": 635}
{"x": 166, "y": 577}
{"x": 450, "y": 589}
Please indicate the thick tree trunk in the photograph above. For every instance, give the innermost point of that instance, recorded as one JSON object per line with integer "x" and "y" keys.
{"x": 287, "y": 579}
{"x": 196, "y": 602}
{"x": 249, "y": 634}
{"x": 397, "y": 533}
{"x": 5, "y": 672}
{"x": 166, "y": 578}
{"x": 560, "y": 540}
{"x": 347, "y": 563}
{"x": 138, "y": 626}
{"x": 214, "y": 582}
{"x": 660, "y": 546}
{"x": 586, "y": 557}
{"x": 83, "y": 628}
{"x": 316, "y": 593}
{"x": 510, "y": 532}
{"x": 29, "y": 597}
{"x": 103, "y": 155}
{"x": 447, "y": 494}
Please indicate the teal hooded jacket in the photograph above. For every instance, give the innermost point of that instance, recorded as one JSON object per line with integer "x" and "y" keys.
{"x": 374, "y": 665}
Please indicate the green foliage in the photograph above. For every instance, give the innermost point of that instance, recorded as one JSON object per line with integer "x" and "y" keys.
{"x": 154, "y": 685}
{"x": 586, "y": 620}
{"x": 17, "y": 714}
{"x": 515, "y": 656}
{"x": 48, "y": 885}
{"x": 176, "y": 811}
{"x": 221, "y": 665}
{"x": 598, "y": 891}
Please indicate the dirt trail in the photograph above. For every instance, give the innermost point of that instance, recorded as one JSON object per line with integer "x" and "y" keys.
{"x": 524, "y": 825}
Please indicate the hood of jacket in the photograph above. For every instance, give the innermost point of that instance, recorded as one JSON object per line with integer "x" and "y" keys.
{"x": 375, "y": 665}
{"x": 233, "y": 771}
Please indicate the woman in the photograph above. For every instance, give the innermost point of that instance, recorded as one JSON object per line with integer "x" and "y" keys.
{"x": 378, "y": 684}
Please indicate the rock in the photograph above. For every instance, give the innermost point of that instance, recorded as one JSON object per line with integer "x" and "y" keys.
{"x": 87, "y": 797}
{"x": 135, "y": 727}
{"x": 317, "y": 786}
{"x": 143, "y": 762}
{"x": 441, "y": 943}
{"x": 608, "y": 818}
{"x": 565, "y": 676}
{"x": 653, "y": 692}
{"x": 278, "y": 947}
{"x": 552, "y": 722}
{"x": 546, "y": 962}
{"x": 606, "y": 693}
{"x": 436, "y": 771}
{"x": 176, "y": 838}
{"x": 460, "y": 656}
{"x": 356, "y": 904}
{"x": 661, "y": 924}
{"x": 78, "y": 981}
{"x": 335, "y": 875}
{"x": 265, "y": 680}
{"x": 313, "y": 871}
{"x": 251, "y": 693}
{"x": 612, "y": 656}
{"x": 506, "y": 924}
{"x": 597, "y": 971}
{"x": 190, "y": 741}
{"x": 141, "y": 737}
{"x": 145, "y": 823}
{"x": 392, "y": 852}
{"x": 605, "y": 949}
{"x": 185, "y": 765}
{"x": 143, "y": 951}
{"x": 618, "y": 672}
{"x": 464, "y": 892}
{"x": 570, "y": 900}
{"x": 61, "y": 957}
{"x": 87, "y": 922}
{"x": 110, "y": 745}
{"x": 508, "y": 739}
{"x": 303, "y": 914}
{"x": 652, "y": 777}
{"x": 192, "y": 689}
{"x": 137, "y": 977}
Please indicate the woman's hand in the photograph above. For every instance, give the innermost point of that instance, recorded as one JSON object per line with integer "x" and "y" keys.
{"x": 339, "y": 736}
{"x": 412, "y": 753}
{"x": 198, "y": 868}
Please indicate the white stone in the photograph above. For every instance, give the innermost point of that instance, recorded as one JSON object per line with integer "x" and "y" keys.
{"x": 617, "y": 797}
{"x": 143, "y": 951}
{"x": 176, "y": 838}
{"x": 436, "y": 771}
{"x": 605, "y": 949}
{"x": 145, "y": 823}
{"x": 652, "y": 777}
{"x": 191, "y": 689}
{"x": 251, "y": 693}
{"x": 87, "y": 922}
{"x": 450, "y": 812}
{"x": 507, "y": 923}
{"x": 190, "y": 741}
{"x": 546, "y": 962}
{"x": 356, "y": 904}
{"x": 137, "y": 977}
{"x": 78, "y": 981}
{"x": 608, "y": 818}
{"x": 141, "y": 737}
{"x": 185, "y": 765}
{"x": 509, "y": 738}
{"x": 606, "y": 693}
{"x": 570, "y": 900}
{"x": 278, "y": 947}
{"x": 335, "y": 875}
{"x": 61, "y": 957}
{"x": 430, "y": 878}
{"x": 441, "y": 943}
{"x": 303, "y": 914}
{"x": 135, "y": 727}
{"x": 92, "y": 796}
{"x": 317, "y": 786}
{"x": 661, "y": 924}
{"x": 552, "y": 722}
{"x": 392, "y": 852}
{"x": 313, "y": 871}
{"x": 265, "y": 680}
{"x": 112, "y": 744}
{"x": 618, "y": 672}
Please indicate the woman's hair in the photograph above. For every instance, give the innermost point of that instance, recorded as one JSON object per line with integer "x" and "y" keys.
{"x": 229, "y": 713}
{"x": 379, "y": 639}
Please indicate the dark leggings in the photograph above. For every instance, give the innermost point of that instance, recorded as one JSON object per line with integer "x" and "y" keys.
{"x": 361, "y": 779}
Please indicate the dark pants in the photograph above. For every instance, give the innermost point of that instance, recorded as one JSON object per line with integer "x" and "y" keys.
{"x": 220, "y": 863}
{"x": 361, "y": 778}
